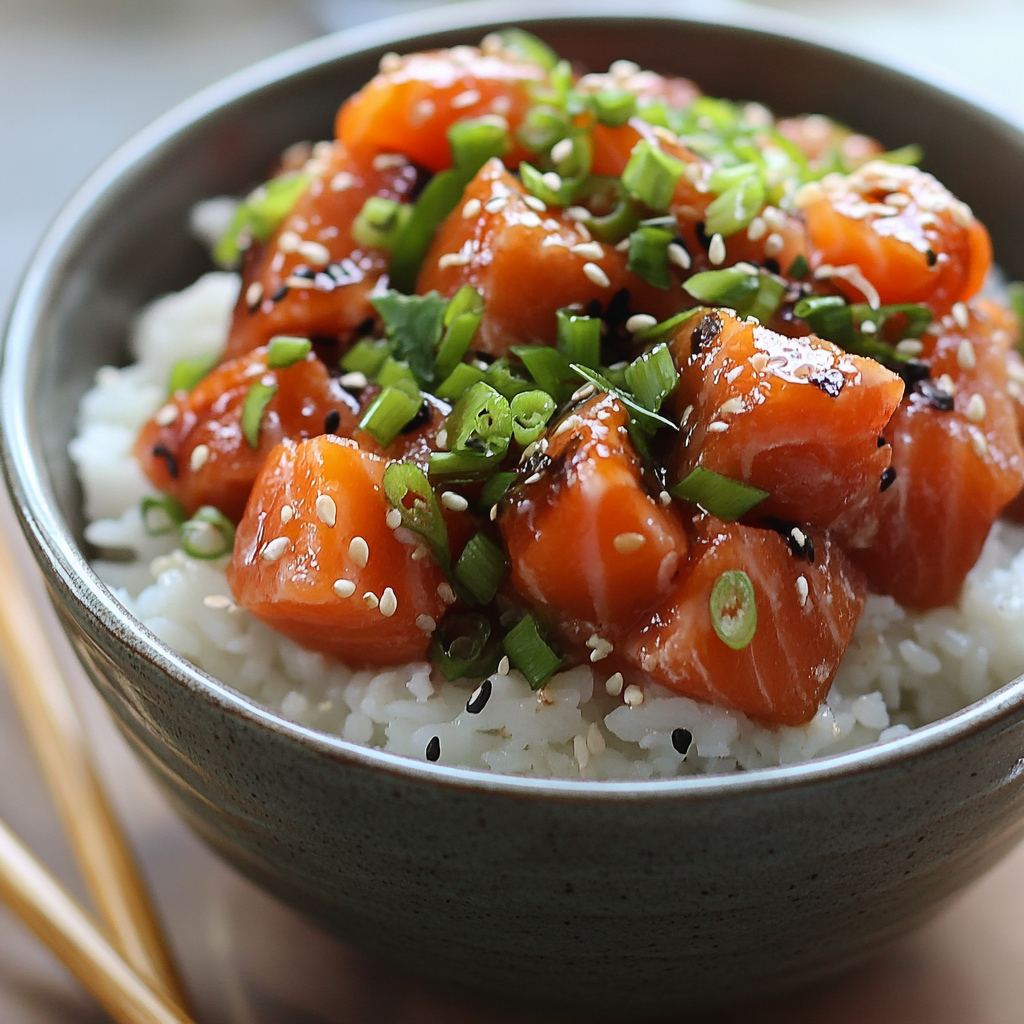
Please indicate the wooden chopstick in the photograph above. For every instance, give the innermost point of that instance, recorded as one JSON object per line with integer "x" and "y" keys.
{"x": 42, "y": 904}
{"x": 55, "y": 731}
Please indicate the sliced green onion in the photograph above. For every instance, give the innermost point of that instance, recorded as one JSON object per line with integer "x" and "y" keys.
{"x": 623, "y": 212}
{"x": 724, "y": 178}
{"x": 461, "y": 320}
{"x": 652, "y": 377}
{"x": 496, "y": 488}
{"x": 732, "y": 287}
{"x": 409, "y": 491}
{"x": 464, "y": 466}
{"x": 285, "y": 351}
{"x": 395, "y": 406}
{"x": 528, "y": 652}
{"x": 735, "y": 208}
{"x": 1016, "y": 292}
{"x": 908, "y": 155}
{"x": 365, "y": 357}
{"x": 501, "y": 377}
{"x": 734, "y": 609}
{"x": 162, "y": 515}
{"x": 651, "y": 175}
{"x": 527, "y": 47}
{"x": 563, "y": 194}
{"x": 549, "y": 368}
{"x": 579, "y": 338}
{"x": 644, "y": 418}
{"x": 208, "y": 534}
{"x": 613, "y": 107}
{"x": 831, "y": 318}
{"x": 799, "y": 268}
{"x": 187, "y": 373}
{"x": 648, "y": 255}
{"x": 458, "y": 381}
{"x": 466, "y": 300}
{"x": 379, "y": 223}
{"x": 475, "y": 140}
{"x": 259, "y": 216}
{"x": 667, "y": 328}
{"x": 257, "y": 399}
{"x": 542, "y": 127}
{"x": 392, "y": 371}
{"x": 655, "y": 113}
{"x": 530, "y": 414}
{"x": 768, "y": 298}
{"x": 481, "y": 568}
{"x": 413, "y": 325}
{"x": 459, "y": 647}
{"x": 481, "y": 423}
{"x": 718, "y": 495}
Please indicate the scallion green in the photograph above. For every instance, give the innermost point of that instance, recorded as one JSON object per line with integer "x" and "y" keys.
{"x": 259, "y": 216}
{"x": 502, "y": 377}
{"x": 651, "y": 175}
{"x": 208, "y": 534}
{"x": 162, "y": 515}
{"x": 257, "y": 399}
{"x": 409, "y": 491}
{"x": 187, "y": 373}
{"x": 481, "y": 568}
{"x": 463, "y": 466}
{"x": 1016, "y": 291}
{"x": 652, "y": 377}
{"x": 527, "y": 47}
{"x": 718, "y": 495}
{"x": 528, "y": 652}
{"x": 733, "y": 608}
{"x": 496, "y": 488}
{"x": 735, "y": 208}
{"x": 549, "y": 368}
{"x": 768, "y": 298}
{"x": 461, "y": 320}
{"x": 733, "y": 287}
{"x": 380, "y": 222}
{"x": 648, "y": 255}
{"x": 799, "y": 268}
{"x": 365, "y": 357}
{"x": 460, "y": 648}
{"x": 579, "y": 338}
{"x": 395, "y": 406}
{"x": 613, "y": 107}
{"x": 644, "y": 418}
{"x": 667, "y": 329}
{"x": 463, "y": 377}
{"x": 285, "y": 351}
{"x": 531, "y": 411}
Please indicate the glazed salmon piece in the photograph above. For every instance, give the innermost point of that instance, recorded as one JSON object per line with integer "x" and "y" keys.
{"x": 314, "y": 531}
{"x": 523, "y": 264}
{"x": 170, "y": 447}
{"x": 586, "y": 539}
{"x": 409, "y": 107}
{"x": 958, "y": 461}
{"x": 796, "y": 417}
{"x": 806, "y": 614}
{"x": 900, "y": 232}
{"x": 312, "y": 278}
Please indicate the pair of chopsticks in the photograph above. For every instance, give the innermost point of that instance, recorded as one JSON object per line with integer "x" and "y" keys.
{"x": 124, "y": 963}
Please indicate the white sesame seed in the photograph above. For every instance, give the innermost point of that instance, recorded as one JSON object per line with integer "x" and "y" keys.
{"x": 551, "y": 180}
{"x": 583, "y": 392}
{"x": 599, "y": 648}
{"x": 774, "y": 244}
{"x": 802, "y": 590}
{"x": 344, "y": 588}
{"x": 442, "y": 440}
{"x": 798, "y": 536}
{"x": 733, "y": 405}
{"x": 326, "y": 510}
{"x": 393, "y": 519}
{"x": 640, "y": 322}
{"x": 289, "y": 241}
{"x": 687, "y": 413}
{"x": 496, "y": 204}
{"x": 535, "y": 203}
{"x": 909, "y": 347}
{"x": 472, "y": 208}
{"x": 946, "y": 383}
{"x": 529, "y": 219}
{"x": 595, "y": 739}
{"x": 388, "y": 603}
{"x": 627, "y": 543}
{"x": 679, "y": 256}
{"x": 166, "y": 415}
{"x": 298, "y": 282}
{"x": 388, "y": 161}
{"x": 423, "y": 111}
{"x": 343, "y": 181}
{"x": 501, "y": 105}
{"x": 561, "y": 150}
{"x": 359, "y": 551}
{"x": 716, "y": 250}
{"x": 456, "y": 502}
{"x": 870, "y": 327}
{"x": 420, "y": 552}
{"x": 274, "y": 549}
{"x": 717, "y": 427}
{"x": 590, "y": 250}
{"x": 532, "y": 479}
{"x": 633, "y": 696}
{"x": 493, "y": 514}
{"x": 354, "y": 379}
{"x": 961, "y": 315}
{"x": 371, "y": 600}
{"x": 976, "y": 408}
{"x": 596, "y": 275}
{"x": 613, "y": 685}
{"x": 199, "y": 457}
{"x": 965, "y": 355}
{"x": 426, "y": 623}
{"x": 503, "y": 665}
{"x": 217, "y": 601}
{"x": 756, "y": 229}
{"x": 253, "y": 294}
{"x": 665, "y": 498}
{"x": 317, "y": 253}
{"x": 577, "y": 213}
{"x": 581, "y": 751}
{"x": 445, "y": 592}
{"x": 466, "y": 99}
{"x": 622, "y": 246}
{"x": 390, "y": 62}
{"x": 454, "y": 259}
{"x": 979, "y": 442}
{"x": 287, "y": 514}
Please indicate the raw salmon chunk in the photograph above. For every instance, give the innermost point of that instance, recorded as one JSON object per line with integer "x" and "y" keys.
{"x": 806, "y": 613}
{"x": 315, "y": 559}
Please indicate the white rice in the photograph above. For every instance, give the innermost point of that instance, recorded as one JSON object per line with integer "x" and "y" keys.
{"x": 901, "y": 671}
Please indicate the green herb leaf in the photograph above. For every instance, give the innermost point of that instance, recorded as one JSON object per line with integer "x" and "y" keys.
{"x": 413, "y": 325}
{"x": 733, "y": 609}
{"x": 1016, "y": 291}
{"x": 718, "y": 495}
{"x": 528, "y": 652}
{"x": 256, "y": 401}
{"x": 285, "y": 351}
{"x": 799, "y": 268}
{"x": 409, "y": 491}
{"x": 502, "y": 377}
{"x": 496, "y": 488}
{"x": 208, "y": 534}
{"x": 908, "y": 155}
{"x": 667, "y": 328}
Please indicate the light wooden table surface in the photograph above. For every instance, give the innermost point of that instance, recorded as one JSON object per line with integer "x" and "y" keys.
{"x": 100, "y": 69}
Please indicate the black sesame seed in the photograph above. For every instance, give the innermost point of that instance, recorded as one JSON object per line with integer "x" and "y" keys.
{"x": 303, "y": 271}
{"x": 888, "y": 478}
{"x": 912, "y": 371}
{"x": 772, "y": 265}
{"x": 422, "y": 417}
{"x": 702, "y": 235}
{"x": 681, "y": 740}
{"x": 481, "y": 695}
{"x": 332, "y": 421}
{"x": 706, "y": 331}
{"x": 936, "y": 397}
{"x": 279, "y": 294}
{"x": 163, "y": 452}
{"x": 434, "y": 749}
{"x": 831, "y": 381}
{"x": 882, "y": 441}
{"x": 799, "y": 542}
{"x": 594, "y": 308}
{"x": 366, "y": 327}
{"x": 932, "y": 258}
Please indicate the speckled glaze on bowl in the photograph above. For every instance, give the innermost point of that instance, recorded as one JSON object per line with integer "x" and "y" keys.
{"x": 610, "y": 898}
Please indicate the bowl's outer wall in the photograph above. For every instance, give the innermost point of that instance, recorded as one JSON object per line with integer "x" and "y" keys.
{"x": 636, "y": 902}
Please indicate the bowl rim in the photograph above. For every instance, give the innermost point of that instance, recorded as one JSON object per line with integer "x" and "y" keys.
{"x": 71, "y": 575}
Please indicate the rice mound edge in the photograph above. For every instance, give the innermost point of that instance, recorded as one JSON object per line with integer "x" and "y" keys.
{"x": 902, "y": 669}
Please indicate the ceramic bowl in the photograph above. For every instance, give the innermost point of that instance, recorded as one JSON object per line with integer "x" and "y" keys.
{"x": 609, "y": 898}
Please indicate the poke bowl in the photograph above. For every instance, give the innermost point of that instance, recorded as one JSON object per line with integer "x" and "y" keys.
{"x": 645, "y": 848}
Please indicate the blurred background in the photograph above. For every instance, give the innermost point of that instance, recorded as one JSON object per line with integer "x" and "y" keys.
{"x": 77, "y": 77}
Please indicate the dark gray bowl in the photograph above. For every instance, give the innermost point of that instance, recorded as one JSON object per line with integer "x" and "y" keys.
{"x": 615, "y": 898}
